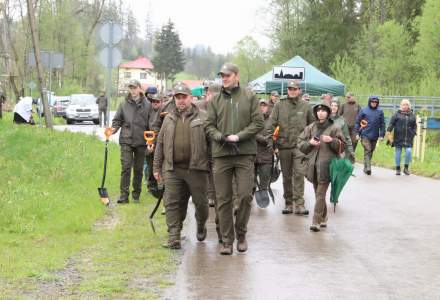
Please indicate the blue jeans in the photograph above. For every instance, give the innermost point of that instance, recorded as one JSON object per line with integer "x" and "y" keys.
{"x": 399, "y": 154}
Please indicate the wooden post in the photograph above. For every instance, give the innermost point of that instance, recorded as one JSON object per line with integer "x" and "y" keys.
{"x": 36, "y": 43}
{"x": 425, "y": 126}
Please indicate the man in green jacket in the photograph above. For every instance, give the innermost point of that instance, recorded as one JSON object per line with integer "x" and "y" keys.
{"x": 233, "y": 121}
{"x": 132, "y": 117}
{"x": 181, "y": 159}
{"x": 292, "y": 115}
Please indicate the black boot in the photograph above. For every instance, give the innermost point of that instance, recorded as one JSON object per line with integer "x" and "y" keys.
{"x": 398, "y": 170}
{"x": 405, "y": 170}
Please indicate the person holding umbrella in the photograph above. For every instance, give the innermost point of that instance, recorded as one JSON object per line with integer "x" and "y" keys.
{"x": 404, "y": 125}
{"x": 321, "y": 141}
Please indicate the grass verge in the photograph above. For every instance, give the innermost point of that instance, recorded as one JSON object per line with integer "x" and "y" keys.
{"x": 49, "y": 211}
{"x": 384, "y": 157}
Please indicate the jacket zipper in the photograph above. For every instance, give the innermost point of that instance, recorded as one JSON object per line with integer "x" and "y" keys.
{"x": 232, "y": 115}
{"x": 406, "y": 129}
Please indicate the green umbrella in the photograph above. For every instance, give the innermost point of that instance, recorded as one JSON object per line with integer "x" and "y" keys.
{"x": 340, "y": 171}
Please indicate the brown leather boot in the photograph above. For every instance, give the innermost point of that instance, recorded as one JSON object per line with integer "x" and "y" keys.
{"x": 242, "y": 244}
{"x": 226, "y": 249}
{"x": 288, "y": 209}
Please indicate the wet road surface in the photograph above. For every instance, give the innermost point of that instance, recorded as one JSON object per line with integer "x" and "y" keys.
{"x": 382, "y": 243}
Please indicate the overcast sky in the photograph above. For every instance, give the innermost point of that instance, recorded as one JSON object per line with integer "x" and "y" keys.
{"x": 219, "y": 24}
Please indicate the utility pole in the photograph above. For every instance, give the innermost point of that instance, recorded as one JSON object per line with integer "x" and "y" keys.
{"x": 36, "y": 43}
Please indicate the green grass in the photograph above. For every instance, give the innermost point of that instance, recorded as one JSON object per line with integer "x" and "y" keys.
{"x": 48, "y": 207}
{"x": 430, "y": 167}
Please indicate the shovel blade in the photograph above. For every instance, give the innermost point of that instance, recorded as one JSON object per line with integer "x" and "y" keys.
{"x": 103, "y": 194}
{"x": 262, "y": 198}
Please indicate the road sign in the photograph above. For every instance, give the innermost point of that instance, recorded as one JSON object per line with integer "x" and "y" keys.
{"x": 110, "y": 33}
{"x": 110, "y": 57}
{"x": 32, "y": 85}
{"x": 49, "y": 60}
{"x": 288, "y": 73}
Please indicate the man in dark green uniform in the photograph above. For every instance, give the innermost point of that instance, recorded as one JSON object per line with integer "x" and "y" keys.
{"x": 132, "y": 117}
{"x": 181, "y": 159}
{"x": 292, "y": 115}
{"x": 102, "y": 108}
{"x": 233, "y": 121}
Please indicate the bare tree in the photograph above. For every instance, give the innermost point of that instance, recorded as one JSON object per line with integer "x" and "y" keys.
{"x": 36, "y": 44}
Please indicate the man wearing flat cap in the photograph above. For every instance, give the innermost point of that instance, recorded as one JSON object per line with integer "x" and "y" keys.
{"x": 292, "y": 115}
{"x": 181, "y": 161}
{"x": 233, "y": 121}
{"x": 132, "y": 117}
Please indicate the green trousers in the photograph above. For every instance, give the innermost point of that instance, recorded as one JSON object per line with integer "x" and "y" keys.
{"x": 180, "y": 184}
{"x": 225, "y": 169}
{"x": 320, "y": 212}
{"x": 131, "y": 158}
{"x": 292, "y": 167}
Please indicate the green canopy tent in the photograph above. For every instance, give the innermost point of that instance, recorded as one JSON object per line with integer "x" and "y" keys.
{"x": 316, "y": 83}
{"x": 197, "y": 91}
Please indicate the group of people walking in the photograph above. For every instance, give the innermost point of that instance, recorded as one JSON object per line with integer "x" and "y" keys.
{"x": 212, "y": 150}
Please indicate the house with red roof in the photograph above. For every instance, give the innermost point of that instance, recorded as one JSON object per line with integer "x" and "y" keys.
{"x": 140, "y": 69}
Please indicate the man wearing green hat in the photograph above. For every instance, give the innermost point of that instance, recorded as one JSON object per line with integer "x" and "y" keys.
{"x": 181, "y": 160}
{"x": 233, "y": 121}
{"x": 132, "y": 117}
{"x": 292, "y": 115}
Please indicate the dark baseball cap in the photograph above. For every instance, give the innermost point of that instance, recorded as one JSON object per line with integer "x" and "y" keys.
{"x": 228, "y": 68}
{"x": 293, "y": 84}
{"x": 134, "y": 82}
{"x": 181, "y": 88}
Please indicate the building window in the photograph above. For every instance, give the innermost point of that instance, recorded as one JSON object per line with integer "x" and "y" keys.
{"x": 143, "y": 76}
{"x": 127, "y": 75}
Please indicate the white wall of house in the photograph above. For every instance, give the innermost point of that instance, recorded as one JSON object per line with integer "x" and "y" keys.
{"x": 146, "y": 77}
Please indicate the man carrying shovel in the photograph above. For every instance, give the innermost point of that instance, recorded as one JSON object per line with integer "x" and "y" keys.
{"x": 132, "y": 117}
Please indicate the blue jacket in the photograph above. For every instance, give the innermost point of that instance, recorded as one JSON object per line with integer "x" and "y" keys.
{"x": 375, "y": 122}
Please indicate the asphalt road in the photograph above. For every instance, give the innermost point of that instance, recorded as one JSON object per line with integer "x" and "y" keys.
{"x": 383, "y": 242}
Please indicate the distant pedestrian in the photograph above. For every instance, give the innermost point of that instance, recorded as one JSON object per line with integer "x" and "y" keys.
{"x": 132, "y": 117}
{"x": 369, "y": 128}
{"x": 349, "y": 110}
{"x": 321, "y": 141}
{"x": 181, "y": 160}
{"x": 233, "y": 121}
{"x": 263, "y": 161}
{"x": 274, "y": 98}
{"x": 404, "y": 125}
{"x": 306, "y": 97}
{"x": 2, "y": 101}
{"x": 340, "y": 122}
{"x": 102, "y": 102}
{"x": 23, "y": 111}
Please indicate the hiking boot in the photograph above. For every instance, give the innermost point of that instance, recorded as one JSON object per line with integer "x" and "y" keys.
{"x": 173, "y": 244}
{"x": 242, "y": 244}
{"x": 314, "y": 228}
{"x": 201, "y": 233}
{"x": 398, "y": 170}
{"x": 226, "y": 249}
{"x": 211, "y": 203}
{"x": 368, "y": 172}
{"x": 288, "y": 209}
{"x": 323, "y": 224}
{"x": 301, "y": 210}
{"x": 405, "y": 170}
{"x": 122, "y": 200}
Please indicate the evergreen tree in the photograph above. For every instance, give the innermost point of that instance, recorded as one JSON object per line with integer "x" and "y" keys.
{"x": 169, "y": 56}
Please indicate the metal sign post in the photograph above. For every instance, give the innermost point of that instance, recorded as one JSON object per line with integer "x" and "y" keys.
{"x": 110, "y": 57}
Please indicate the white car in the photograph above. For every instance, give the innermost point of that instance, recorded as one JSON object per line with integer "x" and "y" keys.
{"x": 82, "y": 107}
